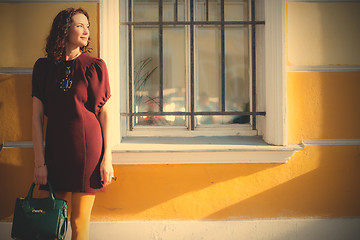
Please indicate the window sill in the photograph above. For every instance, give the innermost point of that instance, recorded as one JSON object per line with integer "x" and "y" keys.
{"x": 200, "y": 150}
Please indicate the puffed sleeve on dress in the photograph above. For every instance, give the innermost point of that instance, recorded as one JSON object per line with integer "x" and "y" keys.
{"x": 38, "y": 80}
{"x": 99, "y": 86}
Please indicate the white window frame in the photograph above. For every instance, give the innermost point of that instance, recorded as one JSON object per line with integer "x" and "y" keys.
{"x": 181, "y": 131}
{"x": 274, "y": 133}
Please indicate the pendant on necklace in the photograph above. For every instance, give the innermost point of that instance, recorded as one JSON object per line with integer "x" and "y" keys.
{"x": 66, "y": 83}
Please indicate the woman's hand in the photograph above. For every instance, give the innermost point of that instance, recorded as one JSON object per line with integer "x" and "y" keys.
{"x": 106, "y": 169}
{"x": 40, "y": 174}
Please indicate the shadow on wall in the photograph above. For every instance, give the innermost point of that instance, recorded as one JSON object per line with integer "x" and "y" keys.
{"x": 15, "y": 178}
{"x": 171, "y": 191}
{"x": 330, "y": 190}
{"x": 311, "y": 184}
{"x": 16, "y": 165}
{"x": 15, "y": 107}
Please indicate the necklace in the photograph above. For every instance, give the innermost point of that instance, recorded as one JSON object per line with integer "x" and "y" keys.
{"x": 78, "y": 54}
{"x": 66, "y": 83}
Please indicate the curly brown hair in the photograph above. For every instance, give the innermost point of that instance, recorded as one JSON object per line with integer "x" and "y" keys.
{"x": 55, "y": 42}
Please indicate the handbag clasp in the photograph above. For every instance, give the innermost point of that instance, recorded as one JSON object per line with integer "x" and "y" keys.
{"x": 38, "y": 211}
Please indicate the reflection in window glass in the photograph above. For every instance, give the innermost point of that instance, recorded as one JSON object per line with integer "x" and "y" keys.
{"x": 236, "y": 10}
{"x": 212, "y": 11}
{"x": 146, "y": 10}
{"x": 174, "y": 74}
{"x": 209, "y": 72}
{"x": 170, "y": 11}
{"x": 236, "y": 72}
{"x": 175, "y": 45}
{"x": 146, "y": 83}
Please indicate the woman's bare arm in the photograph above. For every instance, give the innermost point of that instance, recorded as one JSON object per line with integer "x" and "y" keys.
{"x": 106, "y": 168}
{"x": 40, "y": 169}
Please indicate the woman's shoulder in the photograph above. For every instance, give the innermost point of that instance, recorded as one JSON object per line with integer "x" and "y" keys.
{"x": 41, "y": 65}
{"x": 90, "y": 61}
{"x": 41, "y": 62}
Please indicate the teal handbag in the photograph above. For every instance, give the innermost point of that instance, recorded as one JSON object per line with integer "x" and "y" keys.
{"x": 40, "y": 218}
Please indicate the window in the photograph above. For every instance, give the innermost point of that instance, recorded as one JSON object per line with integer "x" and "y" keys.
{"x": 270, "y": 88}
{"x": 191, "y": 65}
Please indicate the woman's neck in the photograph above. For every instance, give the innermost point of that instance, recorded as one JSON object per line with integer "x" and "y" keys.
{"x": 72, "y": 54}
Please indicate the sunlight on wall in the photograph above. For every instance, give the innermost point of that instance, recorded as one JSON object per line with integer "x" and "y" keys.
{"x": 23, "y": 43}
{"x": 322, "y": 34}
{"x": 323, "y": 99}
{"x": 201, "y": 191}
{"x": 15, "y": 107}
{"x": 206, "y": 203}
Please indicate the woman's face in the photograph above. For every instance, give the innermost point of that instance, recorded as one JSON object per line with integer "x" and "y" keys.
{"x": 79, "y": 31}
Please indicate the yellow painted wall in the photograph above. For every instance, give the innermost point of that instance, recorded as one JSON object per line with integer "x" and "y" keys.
{"x": 323, "y": 33}
{"x": 15, "y": 107}
{"x": 323, "y": 105}
{"x": 25, "y": 26}
{"x": 317, "y": 181}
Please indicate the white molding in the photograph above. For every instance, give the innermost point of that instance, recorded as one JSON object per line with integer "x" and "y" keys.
{"x": 16, "y": 70}
{"x": 46, "y": 1}
{"x": 323, "y": 68}
{"x": 323, "y": 1}
{"x": 221, "y": 130}
{"x": 332, "y": 142}
{"x": 249, "y": 229}
{"x": 203, "y": 157}
{"x": 24, "y": 144}
{"x": 200, "y": 150}
{"x": 109, "y": 52}
{"x": 191, "y": 153}
{"x": 275, "y": 132}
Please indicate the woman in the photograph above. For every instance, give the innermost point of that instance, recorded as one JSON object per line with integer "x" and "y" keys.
{"x": 71, "y": 89}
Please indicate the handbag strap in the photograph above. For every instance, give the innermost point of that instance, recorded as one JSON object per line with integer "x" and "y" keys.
{"x": 31, "y": 190}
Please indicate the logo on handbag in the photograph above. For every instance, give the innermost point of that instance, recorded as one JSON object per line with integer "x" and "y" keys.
{"x": 38, "y": 211}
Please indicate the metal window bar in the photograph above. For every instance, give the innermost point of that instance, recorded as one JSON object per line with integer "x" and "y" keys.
{"x": 207, "y": 10}
{"x": 161, "y": 68}
{"x": 192, "y": 68}
{"x": 176, "y": 18}
{"x": 222, "y": 29}
{"x": 253, "y": 63}
{"x": 192, "y": 23}
{"x": 143, "y": 114}
{"x": 184, "y": 23}
{"x": 130, "y": 66}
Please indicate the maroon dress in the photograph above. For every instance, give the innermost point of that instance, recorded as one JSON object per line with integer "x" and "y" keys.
{"x": 74, "y": 140}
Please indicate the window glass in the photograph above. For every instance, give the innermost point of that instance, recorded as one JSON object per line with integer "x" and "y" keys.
{"x": 171, "y": 12}
{"x": 236, "y": 10}
{"x": 145, "y": 10}
{"x": 209, "y": 73}
{"x": 208, "y": 10}
{"x": 146, "y": 83}
{"x": 174, "y": 74}
{"x": 237, "y": 72}
{"x": 166, "y": 78}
